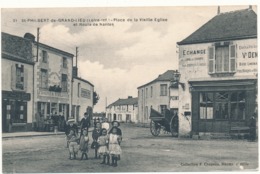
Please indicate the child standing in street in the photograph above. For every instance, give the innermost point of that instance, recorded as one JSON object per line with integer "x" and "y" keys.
{"x": 95, "y": 134}
{"x": 103, "y": 143}
{"x": 73, "y": 144}
{"x": 114, "y": 147}
{"x": 83, "y": 144}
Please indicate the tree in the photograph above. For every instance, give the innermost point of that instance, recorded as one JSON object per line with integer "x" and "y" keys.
{"x": 95, "y": 97}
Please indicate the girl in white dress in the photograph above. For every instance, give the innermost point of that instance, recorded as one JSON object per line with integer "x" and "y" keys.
{"x": 103, "y": 143}
{"x": 114, "y": 147}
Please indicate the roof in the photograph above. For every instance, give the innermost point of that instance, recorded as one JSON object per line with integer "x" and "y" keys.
{"x": 169, "y": 75}
{"x": 16, "y": 48}
{"x": 83, "y": 80}
{"x": 240, "y": 24}
{"x": 128, "y": 101}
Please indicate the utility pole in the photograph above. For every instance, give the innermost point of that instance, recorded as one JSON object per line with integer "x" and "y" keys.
{"x": 77, "y": 56}
{"x": 38, "y": 37}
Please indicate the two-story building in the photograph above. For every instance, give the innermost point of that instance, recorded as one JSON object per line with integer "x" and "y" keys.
{"x": 123, "y": 110}
{"x": 17, "y": 83}
{"x": 218, "y": 65}
{"x": 82, "y": 96}
{"x": 159, "y": 94}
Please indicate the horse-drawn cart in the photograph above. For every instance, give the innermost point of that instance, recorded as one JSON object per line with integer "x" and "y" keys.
{"x": 167, "y": 122}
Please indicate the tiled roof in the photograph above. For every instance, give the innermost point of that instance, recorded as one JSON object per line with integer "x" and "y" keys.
{"x": 169, "y": 75}
{"x": 238, "y": 24}
{"x": 128, "y": 101}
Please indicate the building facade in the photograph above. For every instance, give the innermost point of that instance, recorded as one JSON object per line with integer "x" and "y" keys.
{"x": 53, "y": 82}
{"x": 82, "y": 98}
{"x": 123, "y": 110}
{"x": 159, "y": 94}
{"x": 17, "y": 83}
{"x": 218, "y": 66}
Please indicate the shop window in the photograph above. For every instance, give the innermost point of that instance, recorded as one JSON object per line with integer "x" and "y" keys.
{"x": 237, "y": 103}
{"x": 64, "y": 82}
{"x": 206, "y": 105}
{"x": 64, "y": 62}
{"x": 44, "y": 79}
{"x": 163, "y": 89}
{"x": 222, "y": 58}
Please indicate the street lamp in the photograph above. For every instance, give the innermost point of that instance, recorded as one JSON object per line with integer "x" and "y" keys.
{"x": 176, "y": 82}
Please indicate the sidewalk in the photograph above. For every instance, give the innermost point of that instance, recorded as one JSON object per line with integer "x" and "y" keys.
{"x": 32, "y": 134}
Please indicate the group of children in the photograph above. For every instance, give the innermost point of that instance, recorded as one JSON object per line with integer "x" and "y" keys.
{"x": 106, "y": 143}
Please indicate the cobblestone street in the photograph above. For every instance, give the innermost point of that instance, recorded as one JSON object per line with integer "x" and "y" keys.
{"x": 141, "y": 153}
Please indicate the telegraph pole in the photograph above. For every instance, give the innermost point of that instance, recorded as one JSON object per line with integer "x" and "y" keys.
{"x": 38, "y": 37}
{"x": 77, "y": 56}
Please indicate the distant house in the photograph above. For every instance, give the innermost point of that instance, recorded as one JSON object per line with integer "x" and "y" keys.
{"x": 159, "y": 94}
{"x": 218, "y": 64}
{"x": 123, "y": 110}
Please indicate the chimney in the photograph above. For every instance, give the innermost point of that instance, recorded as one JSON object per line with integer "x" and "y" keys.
{"x": 250, "y": 7}
{"x": 29, "y": 36}
{"x": 218, "y": 10}
{"x": 130, "y": 97}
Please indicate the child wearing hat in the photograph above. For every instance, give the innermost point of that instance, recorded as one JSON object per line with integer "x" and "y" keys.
{"x": 103, "y": 143}
{"x": 83, "y": 144}
{"x": 114, "y": 147}
{"x": 73, "y": 144}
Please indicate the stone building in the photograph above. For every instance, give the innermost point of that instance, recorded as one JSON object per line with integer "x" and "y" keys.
{"x": 218, "y": 65}
{"x": 17, "y": 83}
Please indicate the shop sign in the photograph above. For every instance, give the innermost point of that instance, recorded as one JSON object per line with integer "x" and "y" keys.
{"x": 85, "y": 93}
{"x": 16, "y": 95}
{"x": 53, "y": 94}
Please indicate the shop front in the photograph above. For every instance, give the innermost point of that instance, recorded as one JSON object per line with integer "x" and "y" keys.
{"x": 14, "y": 111}
{"x": 220, "y": 105}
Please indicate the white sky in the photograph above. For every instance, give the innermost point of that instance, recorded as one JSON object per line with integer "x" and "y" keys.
{"x": 116, "y": 59}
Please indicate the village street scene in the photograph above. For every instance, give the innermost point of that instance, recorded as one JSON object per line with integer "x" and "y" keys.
{"x": 148, "y": 89}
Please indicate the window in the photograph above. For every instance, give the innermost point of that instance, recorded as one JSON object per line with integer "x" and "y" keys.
{"x": 64, "y": 82}
{"x": 206, "y": 105}
{"x": 222, "y": 105}
{"x": 44, "y": 56}
{"x": 163, "y": 108}
{"x": 163, "y": 91}
{"x": 44, "y": 79}
{"x": 64, "y": 62}
{"x": 151, "y": 91}
{"x": 78, "y": 89}
{"x": 222, "y": 58}
{"x": 146, "y": 94}
{"x": 19, "y": 84}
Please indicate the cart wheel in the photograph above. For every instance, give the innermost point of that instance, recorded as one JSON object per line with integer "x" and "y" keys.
{"x": 174, "y": 126}
{"x": 155, "y": 128}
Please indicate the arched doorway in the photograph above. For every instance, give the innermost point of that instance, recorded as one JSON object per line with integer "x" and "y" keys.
{"x": 114, "y": 118}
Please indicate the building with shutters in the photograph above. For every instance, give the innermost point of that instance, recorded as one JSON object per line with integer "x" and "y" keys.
{"x": 123, "y": 110}
{"x": 17, "y": 83}
{"x": 218, "y": 65}
{"x": 160, "y": 94}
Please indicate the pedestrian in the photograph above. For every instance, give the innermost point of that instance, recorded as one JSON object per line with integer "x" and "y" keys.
{"x": 105, "y": 124}
{"x": 73, "y": 144}
{"x": 95, "y": 134}
{"x": 252, "y": 130}
{"x": 119, "y": 132}
{"x": 103, "y": 146}
{"x": 70, "y": 126}
{"x": 85, "y": 122}
{"x": 83, "y": 144}
{"x": 113, "y": 146}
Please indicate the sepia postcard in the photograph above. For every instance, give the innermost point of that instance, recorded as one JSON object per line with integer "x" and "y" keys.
{"x": 129, "y": 89}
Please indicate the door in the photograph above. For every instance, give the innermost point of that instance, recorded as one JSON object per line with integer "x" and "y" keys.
{"x": 114, "y": 117}
{"x": 4, "y": 115}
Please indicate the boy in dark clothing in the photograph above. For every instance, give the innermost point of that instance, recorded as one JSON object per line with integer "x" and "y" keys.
{"x": 95, "y": 134}
{"x": 85, "y": 122}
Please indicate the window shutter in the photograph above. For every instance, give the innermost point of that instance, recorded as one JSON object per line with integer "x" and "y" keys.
{"x": 232, "y": 58}
{"x": 25, "y": 77}
{"x": 13, "y": 77}
{"x": 211, "y": 55}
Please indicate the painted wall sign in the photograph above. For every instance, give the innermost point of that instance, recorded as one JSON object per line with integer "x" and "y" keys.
{"x": 16, "y": 95}
{"x": 53, "y": 94}
{"x": 85, "y": 93}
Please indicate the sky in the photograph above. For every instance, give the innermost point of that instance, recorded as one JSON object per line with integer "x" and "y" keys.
{"x": 119, "y": 58}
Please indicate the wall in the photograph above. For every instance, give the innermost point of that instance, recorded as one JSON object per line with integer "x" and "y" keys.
{"x": 6, "y": 82}
{"x": 155, "y": 101}
{"x": 193, "y": 64}
{"x": 80, "y": 99}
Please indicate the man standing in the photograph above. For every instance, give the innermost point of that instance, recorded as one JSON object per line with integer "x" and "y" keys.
{"x": 85, "y": 122}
